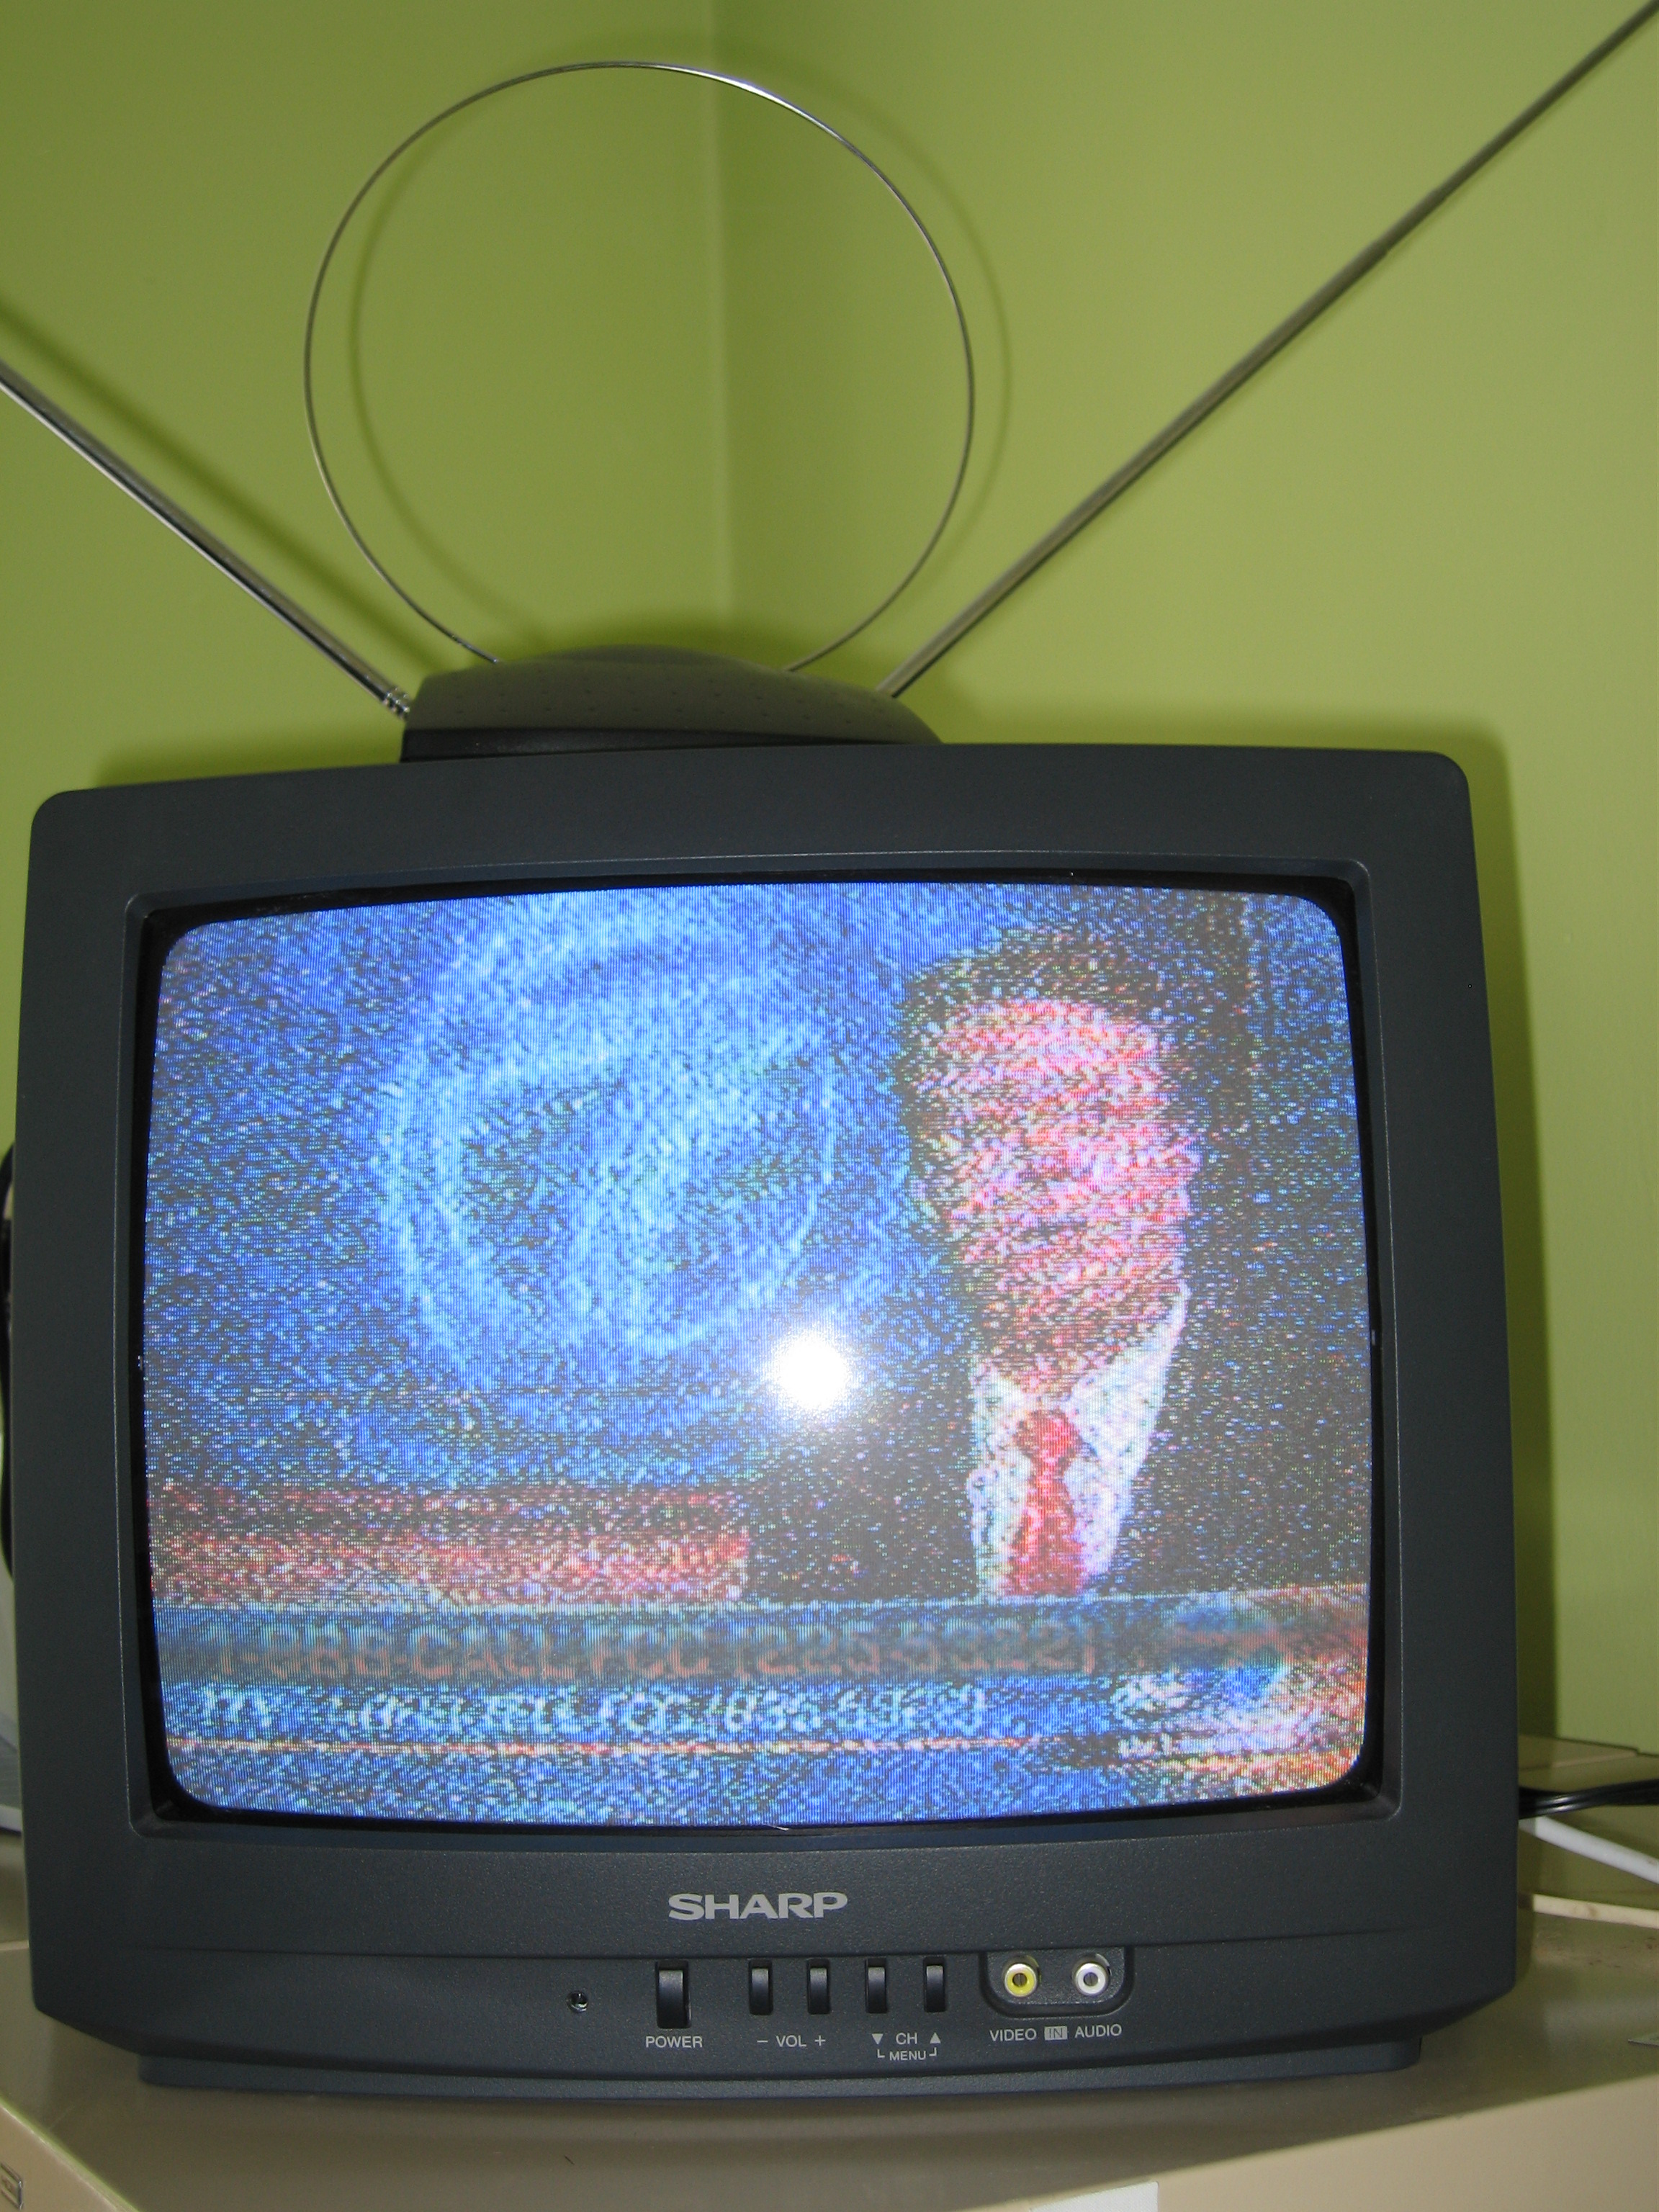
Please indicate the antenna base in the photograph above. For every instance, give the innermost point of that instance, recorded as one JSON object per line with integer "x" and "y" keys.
{"x": 642, "y": 696}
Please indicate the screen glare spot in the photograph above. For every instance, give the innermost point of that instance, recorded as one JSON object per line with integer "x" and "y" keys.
{"x": 811, "y": 1374}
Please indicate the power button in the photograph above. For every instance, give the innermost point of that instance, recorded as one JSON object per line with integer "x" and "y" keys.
{"x": 673, "y": 1997}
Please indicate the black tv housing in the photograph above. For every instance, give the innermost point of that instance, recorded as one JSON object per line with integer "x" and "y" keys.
{"x": 1254, "y": 1940}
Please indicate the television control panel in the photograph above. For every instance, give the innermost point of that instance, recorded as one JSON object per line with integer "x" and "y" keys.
{"x": 840, "y": 2017}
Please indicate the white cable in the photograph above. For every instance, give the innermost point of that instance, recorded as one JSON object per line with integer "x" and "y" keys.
{"x": 1642, "y": 1864}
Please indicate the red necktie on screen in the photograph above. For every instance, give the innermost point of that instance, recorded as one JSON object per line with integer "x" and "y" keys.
{"x": 1045, "y": 1561}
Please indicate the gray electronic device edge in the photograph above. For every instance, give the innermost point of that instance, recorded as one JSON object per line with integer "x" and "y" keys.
{"x": 1258, "y": 1940}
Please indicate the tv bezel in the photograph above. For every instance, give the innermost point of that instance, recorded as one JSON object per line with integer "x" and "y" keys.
{"x": 143, "y": 1927}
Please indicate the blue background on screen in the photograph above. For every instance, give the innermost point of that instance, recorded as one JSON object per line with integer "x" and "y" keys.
{"x": 585, "y": 1157}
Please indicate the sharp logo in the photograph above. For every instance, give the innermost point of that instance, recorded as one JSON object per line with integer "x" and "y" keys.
{"x": 787, "y": 1905}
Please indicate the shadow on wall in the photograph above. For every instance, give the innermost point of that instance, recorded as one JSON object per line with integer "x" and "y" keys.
{"x": 959, "y": 719}
{"x": 143, "y": 440}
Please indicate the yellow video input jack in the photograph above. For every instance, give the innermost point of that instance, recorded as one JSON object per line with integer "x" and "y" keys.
{"x": 1020, "y": 1978}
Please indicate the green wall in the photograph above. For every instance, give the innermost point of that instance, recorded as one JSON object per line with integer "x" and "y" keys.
{"x": 624, "y": 358}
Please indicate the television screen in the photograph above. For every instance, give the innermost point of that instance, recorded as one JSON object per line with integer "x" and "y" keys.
{"x": 756, "y": 1354}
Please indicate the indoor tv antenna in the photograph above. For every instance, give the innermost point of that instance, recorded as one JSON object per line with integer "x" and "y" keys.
{"x": 580, "y": 700}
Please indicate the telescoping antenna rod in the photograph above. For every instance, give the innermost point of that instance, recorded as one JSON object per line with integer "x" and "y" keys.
{"x": 35, "y": 401}
{"x": 1199, "y": 410}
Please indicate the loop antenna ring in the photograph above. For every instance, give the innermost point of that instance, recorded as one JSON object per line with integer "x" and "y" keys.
{"x": 664, "y": 68}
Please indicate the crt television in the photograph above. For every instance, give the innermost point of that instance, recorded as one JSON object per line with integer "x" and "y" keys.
{"x": 737, "y": 1412}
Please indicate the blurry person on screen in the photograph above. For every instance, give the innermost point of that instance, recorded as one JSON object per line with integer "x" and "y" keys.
{"x": 1050, "y": 1156}
{"x": 1131, "y": 1390}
